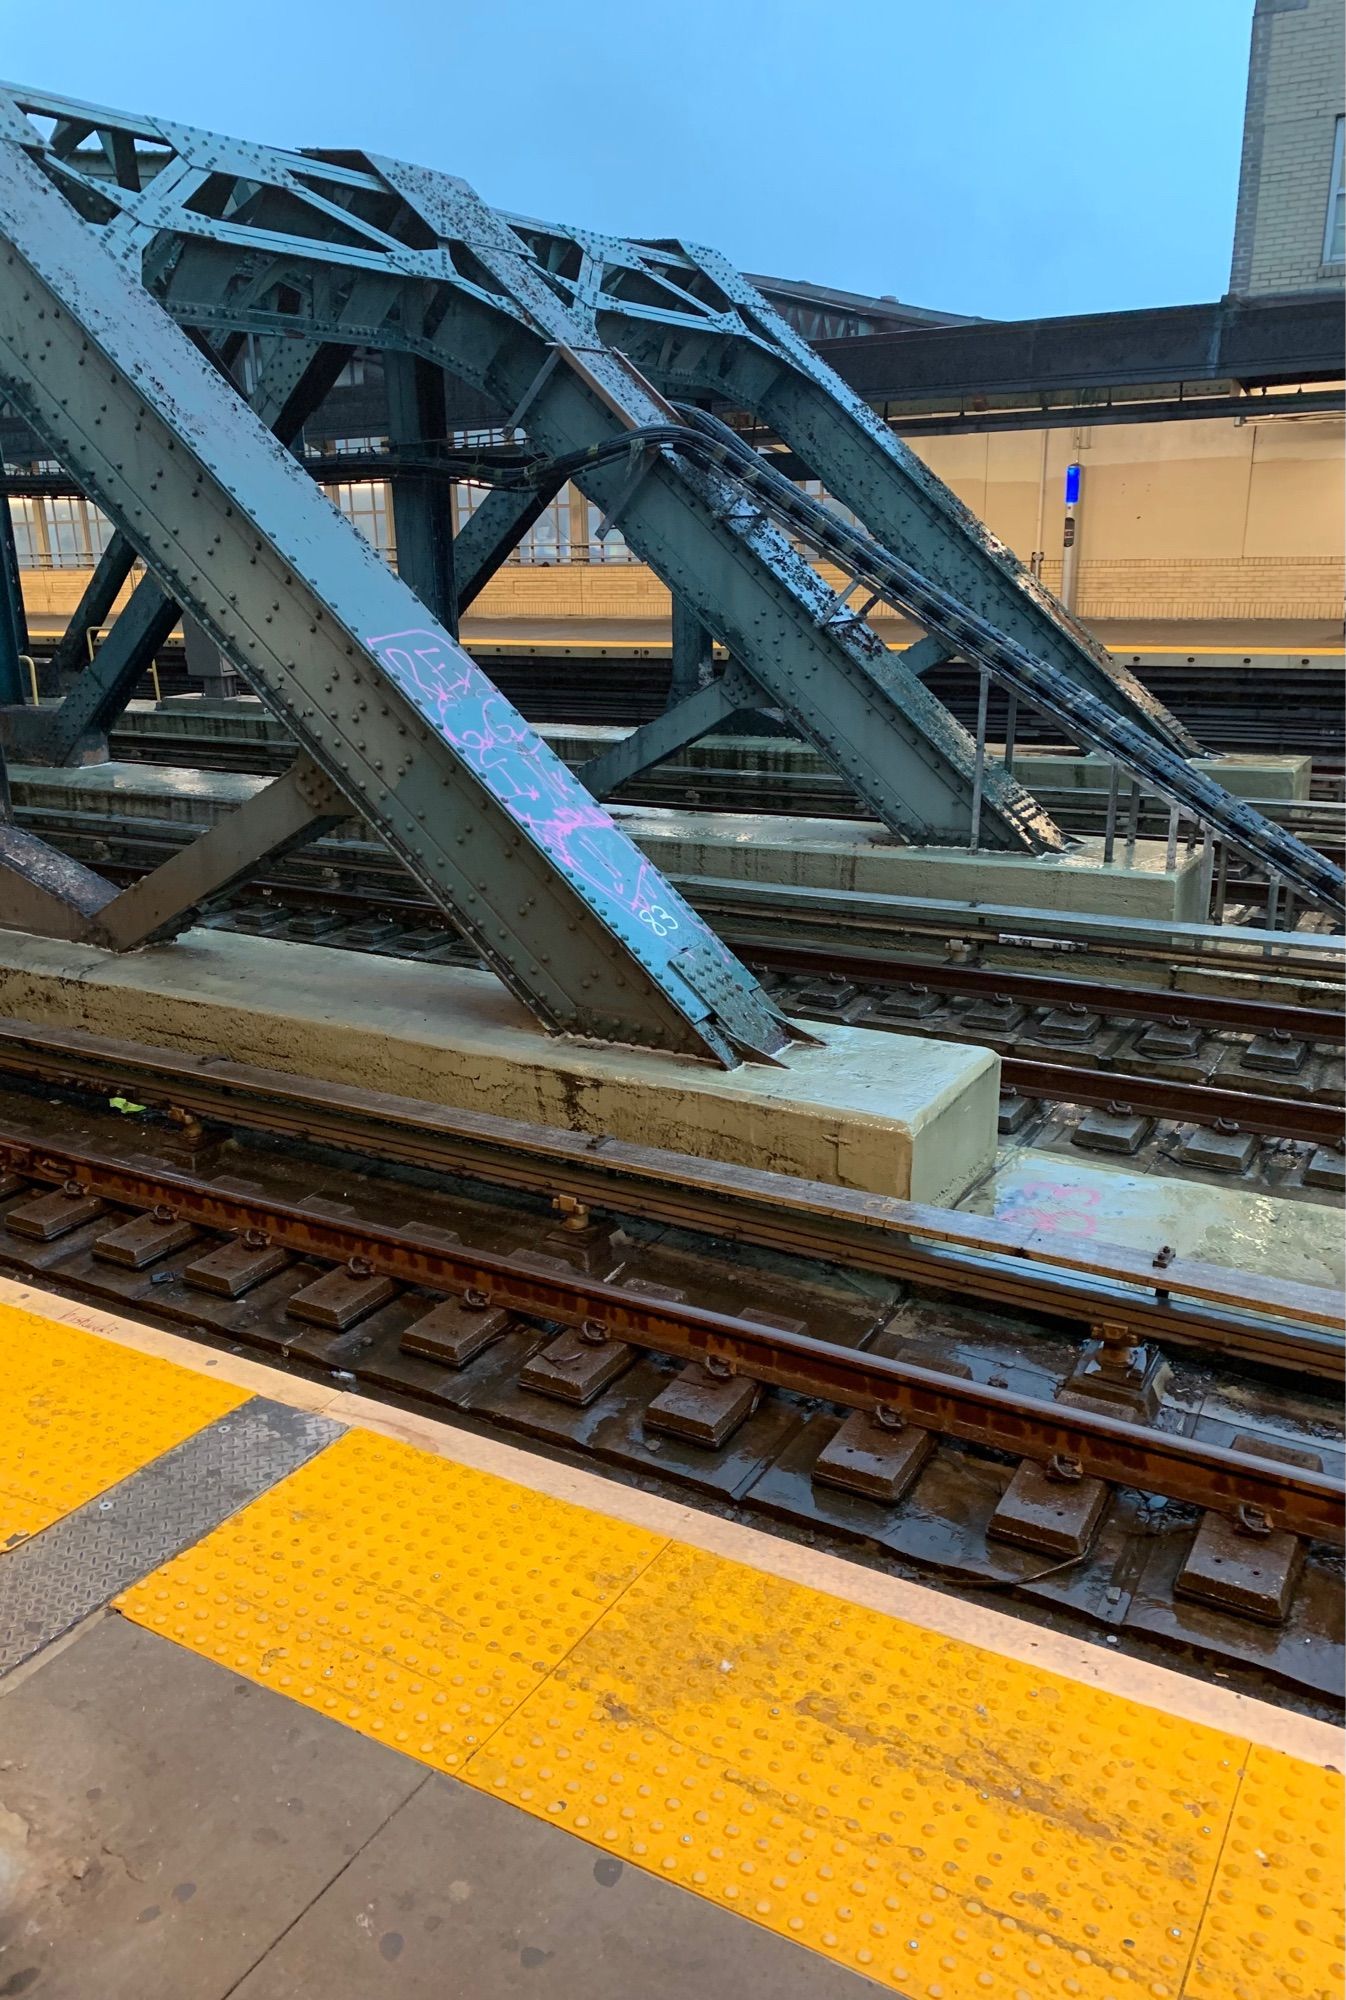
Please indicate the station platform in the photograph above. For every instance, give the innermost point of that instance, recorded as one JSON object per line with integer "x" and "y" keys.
{"x": 300, "y": 1694}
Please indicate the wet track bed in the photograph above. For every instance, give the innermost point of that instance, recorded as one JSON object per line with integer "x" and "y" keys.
{"x": 883, "y": 1416}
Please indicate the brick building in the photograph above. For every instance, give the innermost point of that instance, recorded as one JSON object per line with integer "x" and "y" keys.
{"x": 1288, "y": 230}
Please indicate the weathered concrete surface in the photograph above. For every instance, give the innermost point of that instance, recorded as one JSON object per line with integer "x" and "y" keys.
{"x": 891, "y": 1114}
{"x": 1231, "y": 1226}
{"x": 859, "y": 855}
{"x": 811, "y": 853}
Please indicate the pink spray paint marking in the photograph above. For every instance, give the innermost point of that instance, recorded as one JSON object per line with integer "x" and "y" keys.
{"x": 1061, "y": 1208}
{"x": 535, "y": 787}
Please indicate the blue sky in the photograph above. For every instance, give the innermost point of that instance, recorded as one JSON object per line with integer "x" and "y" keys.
{"x": 1004, "y": 157}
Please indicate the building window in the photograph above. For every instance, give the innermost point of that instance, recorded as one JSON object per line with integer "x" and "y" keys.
{"x": 63, "y": 532}
{"x": 365, "y": 503}
{"x": 1334, "y": 233}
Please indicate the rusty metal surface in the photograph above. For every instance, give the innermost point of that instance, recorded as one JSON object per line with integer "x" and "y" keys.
{"x": 606, "y": 1315}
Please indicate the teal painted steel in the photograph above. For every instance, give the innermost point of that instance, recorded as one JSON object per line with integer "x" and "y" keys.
{"x": 568, "y": 911}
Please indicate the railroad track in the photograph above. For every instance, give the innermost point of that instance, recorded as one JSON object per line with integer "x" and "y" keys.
{"x": 863, "y": 1368}
{"x": 255, "y": 743}
{"x": 1226, "y": 710}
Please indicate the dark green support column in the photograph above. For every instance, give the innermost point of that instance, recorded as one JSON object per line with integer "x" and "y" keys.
{"x": 71, "y": 653}
{"x": 13, "y": 620}
{"x": 422, "y": 513}
{"x": 693, "y": 658}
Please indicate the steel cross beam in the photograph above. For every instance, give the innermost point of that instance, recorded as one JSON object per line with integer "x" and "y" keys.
{"x": 388, "y": 707}
{"x": 697, "y": 327}
{"x": 721, "y": 559}
{"x": 232, "y": 236}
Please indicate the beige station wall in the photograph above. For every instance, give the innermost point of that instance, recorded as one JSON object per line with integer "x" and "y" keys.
{"x": 1200, "y": 521}
{"x": 1205, "y": 520}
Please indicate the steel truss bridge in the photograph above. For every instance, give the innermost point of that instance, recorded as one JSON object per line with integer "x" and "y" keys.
{"x": 144, "y": 260}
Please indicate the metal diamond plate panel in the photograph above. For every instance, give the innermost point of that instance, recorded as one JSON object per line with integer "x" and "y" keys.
{"x": 49, "y": 1583}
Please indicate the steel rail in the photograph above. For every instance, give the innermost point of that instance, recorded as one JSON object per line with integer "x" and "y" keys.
{"x": 1250, "y": 1108}
{"x": 1180, "y": 1468}
{"x": 737, "y": 904}
{"x": 1215, "y": 1010}
{"x": 1301, "y": 1118}
{"x": 1241, "y": 1316}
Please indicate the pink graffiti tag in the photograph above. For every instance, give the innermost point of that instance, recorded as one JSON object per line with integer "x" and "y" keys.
{"x": 531, "y": 782}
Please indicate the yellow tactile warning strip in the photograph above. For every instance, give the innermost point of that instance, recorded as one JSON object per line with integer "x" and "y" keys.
{"x": 416, "y": 1600}
{"x": 950, "y": 1822}
{"x": 81, "y": 1413}
{"x": 1277, "y": 1892}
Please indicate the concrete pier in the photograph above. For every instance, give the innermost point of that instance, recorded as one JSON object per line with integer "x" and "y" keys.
{"x": 886, "y": 1113}
{"x": 861, "y": 855}
{"x": 245, "y": 722}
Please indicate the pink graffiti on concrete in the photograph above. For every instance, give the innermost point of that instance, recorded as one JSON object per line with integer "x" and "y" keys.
{"x": 530, "y": 781}
{"x": 1061, "y": 1208}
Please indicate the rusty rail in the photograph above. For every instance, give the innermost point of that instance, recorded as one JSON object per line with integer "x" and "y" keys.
{"x": 1180, "y": 1468}
{"x": 1207, "y": 1010}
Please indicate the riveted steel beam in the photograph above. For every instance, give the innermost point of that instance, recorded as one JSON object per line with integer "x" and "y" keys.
{"x": 756, "y": 361}
{"x": 577, "y": 922}
{"x": 683, "y": 723}
{"x": 693, "y": 653}
{"x": 292, "y": 380}
{"x": 719, "y": 556}
{"x": 295, "y": 808}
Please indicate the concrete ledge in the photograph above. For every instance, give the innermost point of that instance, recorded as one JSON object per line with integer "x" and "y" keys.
{"x": 889, "y": 1114}
{"x": 747, "y": 847}
{"x": 858, "y": 855}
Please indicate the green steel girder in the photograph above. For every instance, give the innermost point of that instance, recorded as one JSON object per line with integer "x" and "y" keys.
{"x": 292, "y": 380}
{"x": 422, "y": 515}
{"x": 231, "y": 236}
{"x": 901, "y": 750}
{"x": 698, "y": 328}
{"x": 392, "y": 712}
{"x": 13, "y": 619}
{"x": 768, "y": 369}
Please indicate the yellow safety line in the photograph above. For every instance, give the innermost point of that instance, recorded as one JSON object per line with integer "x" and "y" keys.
{"x": 80, "y": 1413}
{"x": 952, "y": 1822}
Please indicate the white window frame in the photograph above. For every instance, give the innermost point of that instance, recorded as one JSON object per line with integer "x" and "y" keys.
{"x": 1336, "y": 196}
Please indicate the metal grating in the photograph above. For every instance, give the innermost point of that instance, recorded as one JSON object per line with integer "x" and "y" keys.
{"x": 50, "y": 1582}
